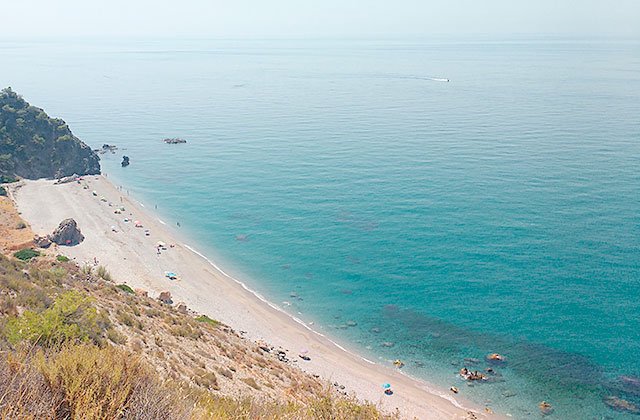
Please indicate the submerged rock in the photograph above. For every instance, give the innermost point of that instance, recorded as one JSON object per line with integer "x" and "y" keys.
{"x": 618, "y": 404}
{"x": 67, "y": 233}
{"x": 125, "y": 161}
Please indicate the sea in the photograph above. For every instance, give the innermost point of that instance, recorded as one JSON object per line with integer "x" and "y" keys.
{"x": 428, "y": 200}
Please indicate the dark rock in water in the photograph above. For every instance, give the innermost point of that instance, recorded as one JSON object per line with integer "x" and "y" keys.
{"x": 125, "y": 161}
{"x": 67, "y": 233}
{"x": 618, "y": 404}
{"x": 175, "y": 140}
{"x": 35, "y": 145}
{"x": 42, "y": 241}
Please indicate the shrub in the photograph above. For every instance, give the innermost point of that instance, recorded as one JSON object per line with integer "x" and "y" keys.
{"x": 26, "y": 254}
{"x": 71, "y": 317}
{"x": 206, "y": 379}
{"x": 125, "y": 288}
{"x": 115, "y": 336}
{"x": 251, "y": 382}
{"x": 62, "y": 258}
{"x": 7, "y": 179}
{"x": 108, "y": 384}
{"x": 207, "y": 320}
{"x": 103, "y": 273}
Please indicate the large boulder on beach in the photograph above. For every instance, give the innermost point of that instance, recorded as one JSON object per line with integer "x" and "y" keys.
{"x": 67, "y": 233}
{"x": 165, "y": 297}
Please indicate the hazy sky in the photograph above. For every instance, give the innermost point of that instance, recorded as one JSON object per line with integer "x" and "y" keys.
{"x": 318, "y": 18}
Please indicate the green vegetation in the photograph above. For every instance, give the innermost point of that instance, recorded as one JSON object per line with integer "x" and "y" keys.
{"x": 63, "y": 357}
{"x": 4, "y": 179}
{"x": 62, "y": 258}
{"x": 33, "y": 145}
{"x": 71, "y": 318}
{"x": 206, "y": 319}
{"x": 103, "y": 273}
{"x": 26, "y": 254}
{"x": 125, "y": 288}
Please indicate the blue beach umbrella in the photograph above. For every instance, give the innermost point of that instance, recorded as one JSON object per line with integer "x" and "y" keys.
{"x": 386, "y": 386}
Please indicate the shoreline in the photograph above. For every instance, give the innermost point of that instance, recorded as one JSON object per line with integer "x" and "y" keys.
{"x": 131, "y": 258}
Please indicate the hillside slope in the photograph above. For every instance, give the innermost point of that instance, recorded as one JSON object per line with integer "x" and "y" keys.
{"x": 33, "y": 145}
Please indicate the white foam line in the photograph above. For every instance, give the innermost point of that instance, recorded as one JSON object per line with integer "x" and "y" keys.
{"x": 161, "y": 221}
{"x": 277, "y": 308}
{"x": 141, "y": 204}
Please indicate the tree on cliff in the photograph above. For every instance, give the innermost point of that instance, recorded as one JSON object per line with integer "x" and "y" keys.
{"x": 33, "y": 145}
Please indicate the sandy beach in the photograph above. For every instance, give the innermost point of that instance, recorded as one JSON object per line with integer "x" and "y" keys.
{"x": 132, "y": 258}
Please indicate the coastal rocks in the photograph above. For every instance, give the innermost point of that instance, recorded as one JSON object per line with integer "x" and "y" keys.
{"x": 125, "y": 161}
{"x": 67, "y": 179}
{"x": 618, "y": 404}
{"x": 165, "y": 297}
{"x": 41, "y": 241}
{"x": 67, "y": 233}
{"x": 106, "y": 148}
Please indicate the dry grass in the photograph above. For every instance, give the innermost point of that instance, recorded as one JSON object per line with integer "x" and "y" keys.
{"x": 97, "y": 352}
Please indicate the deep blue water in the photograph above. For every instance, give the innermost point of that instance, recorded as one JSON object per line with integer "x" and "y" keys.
{"x": 497, "y": 212}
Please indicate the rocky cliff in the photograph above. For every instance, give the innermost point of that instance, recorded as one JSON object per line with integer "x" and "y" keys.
{"x": 33, "y": 145}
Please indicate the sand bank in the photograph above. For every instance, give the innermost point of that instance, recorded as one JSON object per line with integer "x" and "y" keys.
{"x": 131, "y": 257}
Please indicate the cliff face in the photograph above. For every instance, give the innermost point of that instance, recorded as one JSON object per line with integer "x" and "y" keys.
{"x": 33, "y": 145}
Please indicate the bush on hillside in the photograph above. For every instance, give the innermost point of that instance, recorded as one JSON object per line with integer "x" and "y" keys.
{"x": 72, "y": 317}
{"x": 26, "y": 254}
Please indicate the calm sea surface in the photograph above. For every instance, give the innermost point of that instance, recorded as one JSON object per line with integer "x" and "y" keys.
{"x": 497, "y": 212}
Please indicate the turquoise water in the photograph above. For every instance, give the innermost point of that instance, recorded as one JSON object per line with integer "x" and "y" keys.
{"x": 498, "y": 212}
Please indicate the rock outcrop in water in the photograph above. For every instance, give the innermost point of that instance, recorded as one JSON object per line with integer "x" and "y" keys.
{"x": 67, "y": 233}
{"x": 33, "y": 145}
